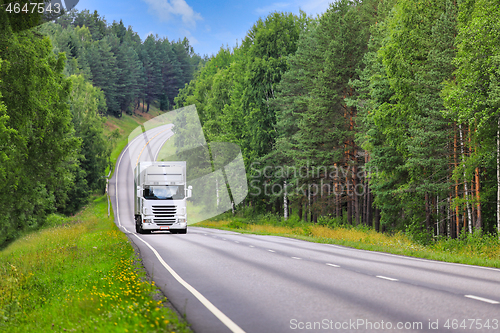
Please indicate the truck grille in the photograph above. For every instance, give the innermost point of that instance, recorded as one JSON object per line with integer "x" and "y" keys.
{"x": 164, "y": 215}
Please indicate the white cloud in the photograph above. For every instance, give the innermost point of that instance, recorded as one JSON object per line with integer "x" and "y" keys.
{"x": 166, "y": 9}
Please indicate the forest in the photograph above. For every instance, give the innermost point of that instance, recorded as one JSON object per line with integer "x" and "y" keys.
{"x": 58, "y": 83}
{"x": 383, "y": 113}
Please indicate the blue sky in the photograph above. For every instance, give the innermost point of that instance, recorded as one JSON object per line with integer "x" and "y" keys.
{"x": 207, "y": 24}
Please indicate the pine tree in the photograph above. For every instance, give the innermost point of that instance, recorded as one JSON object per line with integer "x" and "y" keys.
{"x": 150, "y": 57}
{"x": 103, "y": 66}
{"x": 413, "y": 124}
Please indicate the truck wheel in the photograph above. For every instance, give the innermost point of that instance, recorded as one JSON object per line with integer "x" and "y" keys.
{"x": 138, "y": 227}
{"x": 139, "y": 230}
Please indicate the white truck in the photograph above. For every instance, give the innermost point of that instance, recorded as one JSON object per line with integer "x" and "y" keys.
{"x": 160, "y": 194}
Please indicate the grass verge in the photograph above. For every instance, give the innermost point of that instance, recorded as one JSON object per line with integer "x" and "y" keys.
{"x": 476, "y": 249}
{"x": 81, "y": 276}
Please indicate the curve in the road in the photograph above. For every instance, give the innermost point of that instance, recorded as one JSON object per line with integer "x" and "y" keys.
{"x": 203, "y": 300}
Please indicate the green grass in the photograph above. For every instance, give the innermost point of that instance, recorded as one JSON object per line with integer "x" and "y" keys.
{"x": 481, "y": 250}
{"x": 81, "y": 276}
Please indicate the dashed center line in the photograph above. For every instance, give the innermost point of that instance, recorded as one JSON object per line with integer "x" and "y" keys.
{"x": 333, "y": 265}
{"x": 236, "y": 241}
{"x": 271, "y": 251}
{"x": 251, "y": 246}
{"x": 296, "y": 258}
{"x": 386, "y": 278}
{"x": 482, "y": 299}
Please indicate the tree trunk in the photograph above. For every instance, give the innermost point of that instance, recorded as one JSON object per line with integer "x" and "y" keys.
{"x": 309, "y": 204}
{"x": 369, "y": 209}
{"x": 314, "y": 217}
{"x": 349, "y": 210}
{"x": 306, "y": 206}
{"x": 337, "y": 200}
{"x": 469, "y": 215}
{"x": 427, "y": 212}
{"x": 448, "y": 221}
{"x": 438, "y": 223}
{"x": 472, "y": 188}
{"x": 355, "y": 194}
{"x": 285, "y": 203}
{"x": 299, "y": 212}
{"x": 479, "y": 221}
{"x": 377, "y": 219}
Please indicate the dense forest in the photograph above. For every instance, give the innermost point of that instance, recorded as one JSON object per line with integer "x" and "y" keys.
{"x": 58, "y": 83}
{"x": 382, "y": 113}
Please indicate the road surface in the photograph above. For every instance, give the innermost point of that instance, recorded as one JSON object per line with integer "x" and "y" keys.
{"x": 229, "y": 282}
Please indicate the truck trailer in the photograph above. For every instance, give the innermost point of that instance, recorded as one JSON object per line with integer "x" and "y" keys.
{"x": 160, "y": 194}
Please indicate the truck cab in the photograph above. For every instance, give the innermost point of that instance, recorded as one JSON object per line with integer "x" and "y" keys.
{"x": 160, "y": 194}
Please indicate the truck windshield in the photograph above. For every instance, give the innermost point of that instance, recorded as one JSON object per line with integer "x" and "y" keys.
{"x": 164, "y": 192}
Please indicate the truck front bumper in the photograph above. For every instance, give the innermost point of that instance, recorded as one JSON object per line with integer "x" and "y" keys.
{"x": 153, "y": 226}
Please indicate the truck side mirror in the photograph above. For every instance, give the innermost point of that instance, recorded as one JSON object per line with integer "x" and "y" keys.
{"x": 189, "y": 192}
{"x": 138, "y": 191}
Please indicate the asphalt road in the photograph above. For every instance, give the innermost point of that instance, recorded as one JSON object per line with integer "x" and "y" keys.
{"x": 229, "y": 282}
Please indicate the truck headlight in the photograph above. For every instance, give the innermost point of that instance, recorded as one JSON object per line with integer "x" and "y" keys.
{"x": 148, "y": 220}
{"x": 182, "y": 220}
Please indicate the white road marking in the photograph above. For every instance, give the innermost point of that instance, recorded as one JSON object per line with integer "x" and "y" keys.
{"x": 271, "y": 251}
{"x": 482, "y": 299}
{"x": 236, "y": 241}
{"x": 333, "y": 265}
{"x": 212, "y": 308}
{"x": 296, "y": 258}
{"x": 251, "y": 246}
{"x": 386, "y": 278}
